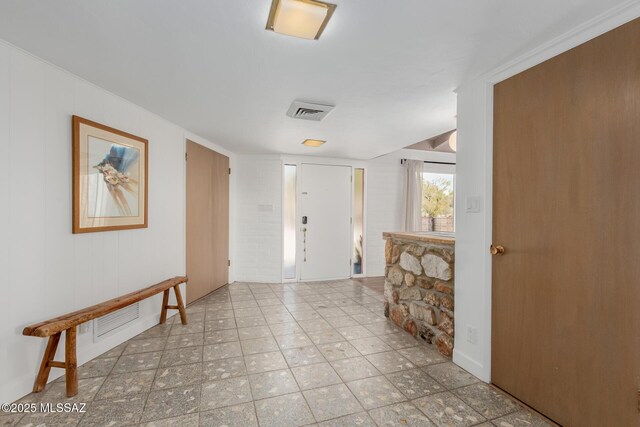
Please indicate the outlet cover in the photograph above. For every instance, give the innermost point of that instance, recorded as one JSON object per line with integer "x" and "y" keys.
{"x": 472, "y": 334}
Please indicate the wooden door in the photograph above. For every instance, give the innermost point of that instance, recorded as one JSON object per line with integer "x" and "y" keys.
{"x": 566, "y": 292}
{"x": 207, "y": 220}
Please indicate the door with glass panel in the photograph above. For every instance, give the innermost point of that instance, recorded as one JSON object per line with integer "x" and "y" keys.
{"x": 324, "y": 220}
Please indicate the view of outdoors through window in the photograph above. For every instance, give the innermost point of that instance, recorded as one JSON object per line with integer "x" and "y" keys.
{"x": 358, "y": 220}
{"x": 437, "y": 202}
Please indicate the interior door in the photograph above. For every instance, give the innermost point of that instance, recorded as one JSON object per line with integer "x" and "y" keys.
{"x": 207, "y": 220}
{"x": 325, "y": 201}
{"x": 566, "y": 291}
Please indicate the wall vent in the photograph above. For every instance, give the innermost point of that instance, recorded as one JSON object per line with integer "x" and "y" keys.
{"x": 308, "y": 111}
{"x": 113, "y": 322}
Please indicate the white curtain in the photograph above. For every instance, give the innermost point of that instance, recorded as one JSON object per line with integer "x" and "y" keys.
{"x": 412, "y": 195}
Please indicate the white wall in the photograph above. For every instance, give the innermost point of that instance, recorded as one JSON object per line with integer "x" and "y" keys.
{"x": 383, "y": 195}
{"x": 47, "y": 270}
{"x": 259, "y": 182}
{"x": 474, "y": 179}
{"x": 473, "y": 233}
{"x": 258, "y": 249}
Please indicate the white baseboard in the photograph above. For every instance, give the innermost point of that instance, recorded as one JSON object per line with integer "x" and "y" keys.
{"x": 471, "y": 365}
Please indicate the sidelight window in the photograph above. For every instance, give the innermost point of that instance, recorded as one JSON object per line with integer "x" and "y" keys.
{"x": 358, "y": 221}
{"x": 289, "y": 226}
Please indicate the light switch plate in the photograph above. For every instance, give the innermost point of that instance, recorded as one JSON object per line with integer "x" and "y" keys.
{"x": 473, "y": 204}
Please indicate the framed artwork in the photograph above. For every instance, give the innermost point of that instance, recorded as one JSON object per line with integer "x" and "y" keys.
{"x": 109, "y": 178}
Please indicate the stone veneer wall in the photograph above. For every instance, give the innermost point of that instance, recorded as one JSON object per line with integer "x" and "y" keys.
{"x": 419, "y": 287}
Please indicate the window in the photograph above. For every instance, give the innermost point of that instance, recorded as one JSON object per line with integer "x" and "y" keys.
{"x": 289, "y": 238}
{"x": 358, "y": 220}
{"x": 437, "y": 201}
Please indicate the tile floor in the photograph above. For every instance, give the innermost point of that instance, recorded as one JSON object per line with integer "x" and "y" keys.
{"x": 279, "y": 355}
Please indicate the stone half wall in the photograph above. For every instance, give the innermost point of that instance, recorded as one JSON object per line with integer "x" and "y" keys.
{"x": 419, "y": 287}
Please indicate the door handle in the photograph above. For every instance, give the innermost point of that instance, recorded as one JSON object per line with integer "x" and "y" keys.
{"x": 496, "y": 250}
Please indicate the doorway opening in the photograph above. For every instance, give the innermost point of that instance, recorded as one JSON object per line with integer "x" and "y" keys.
{"x": 323, "y": 222}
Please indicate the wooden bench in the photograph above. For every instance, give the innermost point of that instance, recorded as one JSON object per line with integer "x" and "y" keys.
{"x": 68, "y": 323}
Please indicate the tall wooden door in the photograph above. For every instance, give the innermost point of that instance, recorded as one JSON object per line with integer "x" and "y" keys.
{"x": 207, "y": 220}
{"x": 566, "y": 291}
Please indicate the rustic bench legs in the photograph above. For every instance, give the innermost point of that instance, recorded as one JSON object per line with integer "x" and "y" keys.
{"x": 70, "y": 364}
{"x": 165, "y": 303}
{"x": 71, "y": 361}
{"x": 179, "y": 306}
{"x": 47, "y": 360}
{"x": 68, "y": 323}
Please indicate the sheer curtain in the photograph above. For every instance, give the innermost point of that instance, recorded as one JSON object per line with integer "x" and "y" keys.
{"x": 412, "y": 195}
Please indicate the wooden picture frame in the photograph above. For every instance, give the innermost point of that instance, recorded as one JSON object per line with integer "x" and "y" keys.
{"x": 110, "y": 178}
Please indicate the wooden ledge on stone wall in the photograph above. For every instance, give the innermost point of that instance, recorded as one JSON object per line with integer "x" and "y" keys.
{"x": 425, "y": 237}
{"x": 68, "y": 323}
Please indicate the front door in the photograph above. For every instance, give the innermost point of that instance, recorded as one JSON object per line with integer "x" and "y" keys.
{"x": 566, "y": 291}
{"x": 325, "y": 202}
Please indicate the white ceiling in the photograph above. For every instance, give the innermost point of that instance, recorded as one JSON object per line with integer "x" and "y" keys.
{"x": 390, "y": 67}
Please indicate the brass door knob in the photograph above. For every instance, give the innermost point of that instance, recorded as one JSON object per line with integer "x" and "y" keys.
{"x": 496, "y": 250}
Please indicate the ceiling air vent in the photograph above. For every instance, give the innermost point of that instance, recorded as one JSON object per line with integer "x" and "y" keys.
{"x": 113, "y": 322}
{"x": 308, "y": 111}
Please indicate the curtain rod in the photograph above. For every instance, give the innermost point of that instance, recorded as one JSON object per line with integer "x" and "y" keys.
{"x": 434, "y": 163}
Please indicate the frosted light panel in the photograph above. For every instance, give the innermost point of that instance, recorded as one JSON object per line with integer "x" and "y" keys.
{"x": 299, "y": 19}
{"x": 358, "y": 221}
{"x": 289, "y": 238}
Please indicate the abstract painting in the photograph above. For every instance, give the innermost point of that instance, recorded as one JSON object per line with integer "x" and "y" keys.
{"x": 109, "y": 178}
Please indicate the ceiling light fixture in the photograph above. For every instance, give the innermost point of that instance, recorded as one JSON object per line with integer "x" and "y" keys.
{"x": 313, "y": 142}
{"x": 299, "y": 18}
